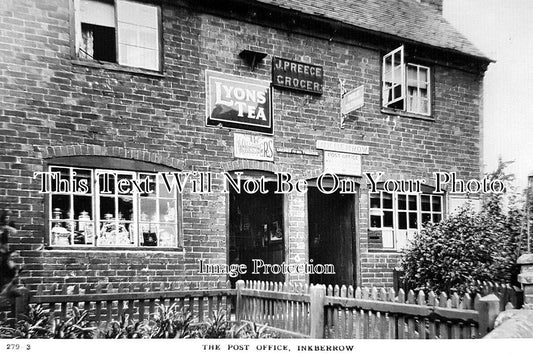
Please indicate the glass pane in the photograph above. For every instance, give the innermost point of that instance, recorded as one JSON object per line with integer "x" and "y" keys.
{"x": 387, "y": 201}
{"x": 436, "y": 201}
{"x": 61, "y": 182}
{"x": 151, "y": 186}
{"x": 106, "y": 182}
{"x": 60, "y": 206}
{"x": 149, "y": 234}
{"x": 426, "y": 206}
{"x": 125, "y": 208}
{"x": 413, "y": 220}
{"x": 148, "y": 210}
{"x": 167, "y": 210}
{"x": 374, "y": 201}
{"x": 167, "y": 235}
{"x": 375, "y": 221}
{"x": 426, "y": 218}
{"x": 402, "y": 221}
{"x": 61, "y": 233}
{"x": 107, "y": 208}
{"x": 387, "y": 219}
{"x": 412, "y": 202}
{"x": 402, "y": 202}
{"x": 437, "y": 218}
{"x": 125, "y": 185}
{"x": 83, "y": 205}
{"x": 113, "y": 233}
{"x": 82, "y": 181}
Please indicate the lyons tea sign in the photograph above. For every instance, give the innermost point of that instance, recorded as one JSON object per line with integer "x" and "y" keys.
{"x": 238, "y": 102}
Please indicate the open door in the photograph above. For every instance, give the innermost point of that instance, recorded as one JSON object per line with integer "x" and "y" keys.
{"x": 332, "y": 235}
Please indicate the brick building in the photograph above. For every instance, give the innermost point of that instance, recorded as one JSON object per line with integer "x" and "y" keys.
{"x": 99, "y": 92}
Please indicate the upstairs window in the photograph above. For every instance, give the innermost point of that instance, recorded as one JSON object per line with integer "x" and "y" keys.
{"x": 120, "y": 31}
{"x": 406, "y": 86}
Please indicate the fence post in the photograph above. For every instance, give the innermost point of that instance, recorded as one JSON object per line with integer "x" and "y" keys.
{"x": 239, "y": 307}
{"x": 488, "y": 309}
{"x": 316, "y": 311}
{"x": 22, "y": 302}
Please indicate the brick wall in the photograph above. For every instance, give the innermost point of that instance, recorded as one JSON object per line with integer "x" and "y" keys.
{"x": 49, "y": 100}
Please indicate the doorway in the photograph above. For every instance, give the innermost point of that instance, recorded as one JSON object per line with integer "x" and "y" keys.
{"x": 256, "y": 231}
{"x": 331, "y": 221}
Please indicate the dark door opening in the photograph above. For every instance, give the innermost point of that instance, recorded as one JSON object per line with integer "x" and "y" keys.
{"x": 256, "y": 231}
{"x": 331, "y": 221}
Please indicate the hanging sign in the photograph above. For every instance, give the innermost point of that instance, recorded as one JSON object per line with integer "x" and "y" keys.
{"x": 353, "y": 100}
{"x": 253, "y": 147}
{"x": 238, "y": 102}
{"x": 297, "y": 75}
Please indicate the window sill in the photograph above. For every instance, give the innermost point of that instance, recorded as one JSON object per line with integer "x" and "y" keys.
{"x": 384, "y": 251}
{"x": 93, "y": 249}
{"x": 117, "y": 68}
{"x": 406, "y": 114}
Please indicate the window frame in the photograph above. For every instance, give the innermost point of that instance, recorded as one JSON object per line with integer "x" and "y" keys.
{"x": 121, "y": 166}
{"x": 396, "y": 215}
{"x": 388, "y": 107}
{"x": 75, "y": 33}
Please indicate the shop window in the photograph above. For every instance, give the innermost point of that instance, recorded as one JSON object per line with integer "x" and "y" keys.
{"x": 103, "y": 208}
{"x": 398, "y": 217}
{"x": 406, "y": 86}
{"x": 123, "y": 32}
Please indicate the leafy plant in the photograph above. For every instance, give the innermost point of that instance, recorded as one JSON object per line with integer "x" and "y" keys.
{"x": 126, "y": 328}
{"x": 251, "y": 330}
{"x": 467, "y": 246}
{"x": 171, "y": 322}
{"x": 75, "y": 327}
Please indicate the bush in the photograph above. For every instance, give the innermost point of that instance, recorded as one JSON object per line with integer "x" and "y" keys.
{"x": 467, "y": 246}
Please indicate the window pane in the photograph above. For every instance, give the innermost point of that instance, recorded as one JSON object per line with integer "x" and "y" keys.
{"x": 167, "y": 210}
{"x": 149, "y": 235}
{"x": 436, "y": 201}
{"x": 107, "y": 208}
{"x": 374, "y": 201}
{"x": 151, "y": 187}
{"x": 106, "y": 182}
{"x": 426, "y": 206}
{"x": 387, "y": 201}
{"x": 167, "y": 235}
{"x": 402, "y": 221}
{"x": 402, "y": 202}
{"x": 148, "y": 210}
{"x": 97, "y": 13}
{"x": 437, "y": 218}
{"x": 124, "y": 185}
{"x": 125, "y": 208}
{"x": 426, "y": 218}
{"x": 375, "y": 221}
{"x": 82, "y": 181}
{"x": 61, "y": 181}
{"x": 412, "y": 202}
{"x": 413, "y": 220}
{"x": 60, "y": 206}
{"x": 387, "y": 219}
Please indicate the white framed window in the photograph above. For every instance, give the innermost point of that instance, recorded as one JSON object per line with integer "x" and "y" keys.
{"x": 398, "y": 216}
{"x": 119, "y": 31}
{"x": 101, "y": 208}
{"x": 406, "y": 86}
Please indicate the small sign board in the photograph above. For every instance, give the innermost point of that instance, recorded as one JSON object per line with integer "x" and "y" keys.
{"x": 238, "y": 102}
{"x": 253, "y": 147}
{"x": 342, "y": 163}
{"x": 353, "y": 100}
{"x": 297, "y": 75}
{"x": 341, "y": 147}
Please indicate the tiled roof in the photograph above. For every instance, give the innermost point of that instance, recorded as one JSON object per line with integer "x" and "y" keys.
{"x": 406, "y": 19}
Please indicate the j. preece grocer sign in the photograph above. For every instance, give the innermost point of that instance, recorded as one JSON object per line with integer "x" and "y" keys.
{"x": 297, "y": 75}
{"x": 238, "y": 102}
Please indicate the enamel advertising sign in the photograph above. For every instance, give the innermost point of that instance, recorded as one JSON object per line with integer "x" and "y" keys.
{"x": 238, "y": 102}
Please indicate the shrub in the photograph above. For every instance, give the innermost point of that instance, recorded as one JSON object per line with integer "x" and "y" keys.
{"x": 467, "y": 246}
